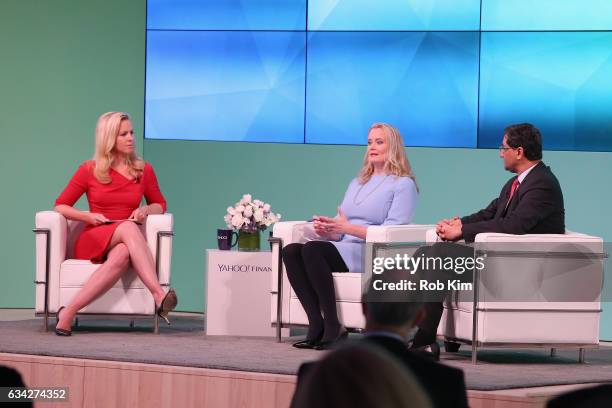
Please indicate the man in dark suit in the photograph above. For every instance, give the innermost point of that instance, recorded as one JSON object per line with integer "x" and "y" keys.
{"x": 390, "y": 320}
{"x": 529, "y": 203}
{"x": 388, "y": 326}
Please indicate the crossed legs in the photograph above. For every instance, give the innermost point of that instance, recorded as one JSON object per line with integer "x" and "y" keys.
{"x": 127, "y": 244}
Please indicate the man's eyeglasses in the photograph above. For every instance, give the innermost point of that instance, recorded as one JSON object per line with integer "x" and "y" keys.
{"x": 504, "y": 148}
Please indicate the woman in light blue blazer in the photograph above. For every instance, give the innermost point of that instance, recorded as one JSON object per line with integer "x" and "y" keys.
{"x": 384, "y": 193}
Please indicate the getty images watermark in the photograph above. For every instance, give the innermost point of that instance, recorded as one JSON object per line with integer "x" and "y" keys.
{"x": 426, "y": 264}
{"x": 557, "y": 271}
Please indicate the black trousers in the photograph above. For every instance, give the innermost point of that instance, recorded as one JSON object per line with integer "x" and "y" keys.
{"x": 434, "y": 306}
{"x": 309, "y": 269}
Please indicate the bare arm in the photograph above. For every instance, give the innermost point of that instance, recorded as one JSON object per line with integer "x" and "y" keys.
{"x": 141, "y": 213}
{"x": 72, "y": 213}
{"x": 154, "y": 209}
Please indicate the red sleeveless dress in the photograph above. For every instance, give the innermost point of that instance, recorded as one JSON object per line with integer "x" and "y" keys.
{"x": 115, "y": 201}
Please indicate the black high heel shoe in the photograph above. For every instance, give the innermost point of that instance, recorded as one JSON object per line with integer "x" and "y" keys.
{"x": 167, "y": 305}
{"x": 326, "y": 345}
{"x": 61, "y": 332}
{"x": 308, "y": 344}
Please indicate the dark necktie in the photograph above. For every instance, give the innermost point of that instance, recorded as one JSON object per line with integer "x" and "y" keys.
{"x": 515, "y": 185}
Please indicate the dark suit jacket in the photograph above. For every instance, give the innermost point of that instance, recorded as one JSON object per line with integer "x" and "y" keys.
{"x": 536, "y": 208}
{"x": 444, "y": 385}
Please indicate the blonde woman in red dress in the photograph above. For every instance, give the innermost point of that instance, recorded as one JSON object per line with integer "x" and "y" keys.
{"x": 115, "y": 182}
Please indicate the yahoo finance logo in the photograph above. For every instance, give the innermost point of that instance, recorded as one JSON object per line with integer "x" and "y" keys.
{"x": 243, "y": 268}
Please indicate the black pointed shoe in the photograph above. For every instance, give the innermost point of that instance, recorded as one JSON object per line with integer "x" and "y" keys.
{"x": 61, "y": 332}
{"x": 306, "y": 344}
{"x": 167, "y": 305}
{"x": 326, "y": 345}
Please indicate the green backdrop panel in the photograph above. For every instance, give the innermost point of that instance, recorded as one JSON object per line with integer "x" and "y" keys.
{"x": 64, "y": 62}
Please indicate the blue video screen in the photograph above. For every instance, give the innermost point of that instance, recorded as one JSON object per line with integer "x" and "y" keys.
{"x": 447, "y": 73}
{"x": 560, "y": 81}
{"x": 225, "y": 85}
{"x": 394, "y": 15}
{"x": 423, "y": 83}
{"x": 546, "y": 15}
{"x": 226, "y": 15}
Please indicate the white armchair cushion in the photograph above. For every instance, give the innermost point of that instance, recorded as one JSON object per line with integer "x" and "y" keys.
{"x": 556, "y": 298}
{"x": 397, "y": 233}
{"x": 569, "y": 236}
{"x": 347, "y": 284}
{"x": 75, "y": 272}
{"x": 160, "y": 223}
{"x": 57, "y": 226}
{"x": 67, "y": 276}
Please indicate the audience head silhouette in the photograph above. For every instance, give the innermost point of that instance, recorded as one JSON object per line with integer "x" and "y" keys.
{"x": 392, "y": 310}
{"x": 358, "y": 376}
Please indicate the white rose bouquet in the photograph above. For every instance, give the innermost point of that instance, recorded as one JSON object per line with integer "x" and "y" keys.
{"x": 250, "y": 215}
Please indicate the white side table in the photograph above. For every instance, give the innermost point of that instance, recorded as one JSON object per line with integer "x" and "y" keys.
{"x": 238, "y": 293}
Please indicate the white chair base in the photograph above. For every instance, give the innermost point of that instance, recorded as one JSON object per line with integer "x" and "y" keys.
{"x": 59, "y": 278}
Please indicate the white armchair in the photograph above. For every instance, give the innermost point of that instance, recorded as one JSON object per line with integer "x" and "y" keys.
{"x": 286, "y": 307}
{"x": 59, "y": 277}
{"x": 536, "y": 290}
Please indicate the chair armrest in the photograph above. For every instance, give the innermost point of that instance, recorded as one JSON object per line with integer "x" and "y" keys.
{"x": 51, "y": 236}
{"x": 292, "y": 231}
{"x": 527, "y": 238}
{"x": 398, "y": 233}
{"x": 285, "y": 231}
{"x": 288, "y": 232}
{"x": 159, "y": 230}
{"x": 541, "y": 271}
{"x": 432, "y": 237}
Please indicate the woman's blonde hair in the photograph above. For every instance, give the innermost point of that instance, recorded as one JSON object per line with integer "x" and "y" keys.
{"x": 107, "y": 131}
{"x": 396, "y": 162}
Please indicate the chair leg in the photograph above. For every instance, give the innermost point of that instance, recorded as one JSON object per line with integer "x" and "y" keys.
{"x": 132, "y": 324}
{"x": 156, "y": 324}
{"x": 581, "y": 355}
{"x": 46, "y": 322}
{"x": 76, "y": 322}
{"x": 279, "y": 311}
{"x": 553, "y": 352}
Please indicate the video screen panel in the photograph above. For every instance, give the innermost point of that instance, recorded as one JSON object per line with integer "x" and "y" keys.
{"x": 448, "y": 73}
{"x": 226, "y": 15}
{"x": 423, "y": 83}
{"x": 559, "y": 81}
{"x": 393, "y": 15}
{"x": 546, "y": 15}
{"x": 224, "y": 85}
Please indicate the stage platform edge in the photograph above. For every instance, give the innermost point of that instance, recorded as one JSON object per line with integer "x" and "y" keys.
{"x": 101, "y": 383}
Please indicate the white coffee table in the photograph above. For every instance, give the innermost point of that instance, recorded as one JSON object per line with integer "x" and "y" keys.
{"x": 238, "y": 293}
